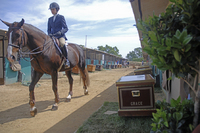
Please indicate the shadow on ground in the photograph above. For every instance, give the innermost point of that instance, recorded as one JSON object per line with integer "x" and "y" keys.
{"x": 72, "y": 122}
{"x": 23, "y": 111}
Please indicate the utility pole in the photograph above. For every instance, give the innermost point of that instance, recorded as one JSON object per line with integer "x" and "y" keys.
{"x": 85, "y": 45}
{"x": 85, "y": 41}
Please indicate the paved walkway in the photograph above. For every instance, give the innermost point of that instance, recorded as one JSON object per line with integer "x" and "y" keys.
{"x": 70, "y": 125}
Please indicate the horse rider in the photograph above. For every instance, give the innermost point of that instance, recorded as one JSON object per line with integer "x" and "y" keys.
{"x": 57, "y": 27}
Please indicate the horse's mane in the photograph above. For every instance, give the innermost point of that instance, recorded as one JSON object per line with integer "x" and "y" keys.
{"x": 33, "y": 28}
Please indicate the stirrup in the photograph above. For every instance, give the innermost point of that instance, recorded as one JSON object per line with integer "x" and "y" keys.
{"x": 67, "y": 64}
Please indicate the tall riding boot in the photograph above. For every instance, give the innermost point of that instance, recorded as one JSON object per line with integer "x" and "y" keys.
{"x": 64, "y": 51}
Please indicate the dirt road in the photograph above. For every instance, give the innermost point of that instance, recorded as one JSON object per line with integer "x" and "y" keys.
{"x": 14, "y": 107}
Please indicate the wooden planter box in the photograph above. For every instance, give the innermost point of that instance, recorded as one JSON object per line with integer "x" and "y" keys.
{"x": 136, "y": 95}
{"x": 143, "y": 71}
{"x": 91, "y": 68}
{"x": 75, "y": 70}
{"x": 99, "y": 67}
{"x": 141, "y": 67}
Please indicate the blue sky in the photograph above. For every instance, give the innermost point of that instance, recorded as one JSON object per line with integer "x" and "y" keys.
{"x": 103, "y": 21}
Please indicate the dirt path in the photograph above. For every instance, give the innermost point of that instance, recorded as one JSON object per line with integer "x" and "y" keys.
{"x": 14, "y": 107}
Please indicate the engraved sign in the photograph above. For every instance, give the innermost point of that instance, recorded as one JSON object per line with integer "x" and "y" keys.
{"x": 139, "y": 103}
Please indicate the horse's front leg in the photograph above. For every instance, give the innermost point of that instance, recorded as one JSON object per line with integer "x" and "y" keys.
{"x": 68, "y": 73}
{"x": 54, "y": 77}
{"x": 35, "y": 78}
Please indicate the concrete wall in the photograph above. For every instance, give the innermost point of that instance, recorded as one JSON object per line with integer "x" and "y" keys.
{"x": 177, "y": 90}
{"x": 10, "y": 75}
{"x": 26, "y": 70}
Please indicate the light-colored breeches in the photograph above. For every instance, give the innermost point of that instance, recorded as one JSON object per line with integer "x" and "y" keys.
{"x": 62, "y": 41}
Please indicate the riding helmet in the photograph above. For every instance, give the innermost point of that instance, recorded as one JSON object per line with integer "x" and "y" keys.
{"x": 54, "y": 5}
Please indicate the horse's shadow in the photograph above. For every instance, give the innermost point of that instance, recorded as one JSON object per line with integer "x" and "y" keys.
{"x": 22, "y": 111}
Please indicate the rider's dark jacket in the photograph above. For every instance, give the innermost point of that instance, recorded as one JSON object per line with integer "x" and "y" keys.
{"x": 58, "y": 25}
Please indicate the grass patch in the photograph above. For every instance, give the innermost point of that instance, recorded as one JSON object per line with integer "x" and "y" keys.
{"x": 157, "y": 89}
{"x": 104, "y": 123}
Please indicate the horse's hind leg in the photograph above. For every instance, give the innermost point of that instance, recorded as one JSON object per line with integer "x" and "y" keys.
{"x": 35, "y": 79}
{"x": 54, "y": 77}
{"x": 69, "y": 75}
{"x": 83, "y": 75}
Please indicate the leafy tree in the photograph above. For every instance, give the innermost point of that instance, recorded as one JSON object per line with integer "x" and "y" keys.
{"x": 110, "y": 50}
{"x": 131, "y": 55}
{"x": 82, "y": 46}
{"x": 138, "y": 59}
{"x": 137, "y": 53}
{"x": 172, "y": 41}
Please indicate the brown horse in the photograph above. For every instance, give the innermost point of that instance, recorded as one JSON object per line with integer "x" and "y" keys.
{"x": 45, "y": 58}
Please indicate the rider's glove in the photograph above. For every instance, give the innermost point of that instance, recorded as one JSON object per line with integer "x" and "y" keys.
{"x": 57, "y": 33}
{"x": 50, "y": 35}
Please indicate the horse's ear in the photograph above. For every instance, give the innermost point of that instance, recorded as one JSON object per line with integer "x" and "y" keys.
{"x": 21, "y": 23}
{"x": 6, "y": 23}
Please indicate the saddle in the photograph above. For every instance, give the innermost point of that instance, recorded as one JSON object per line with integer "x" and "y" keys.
{"x": 56, "y": 41}
{"x": 57, "y": 44}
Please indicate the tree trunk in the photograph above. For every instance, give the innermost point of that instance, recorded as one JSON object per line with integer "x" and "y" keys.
{"x": 197, "y": 102}
{"x": 196, "y": 109}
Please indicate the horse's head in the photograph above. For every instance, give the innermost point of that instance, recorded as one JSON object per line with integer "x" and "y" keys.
{"x": 15, "y": 36}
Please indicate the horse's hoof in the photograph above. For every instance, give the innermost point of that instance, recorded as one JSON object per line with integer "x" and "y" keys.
{"x": 86, "y": 92}
{"x": 54, "y": 108}
{"x": 33, "y": 112}
{"x": 69, "y": 97}
{"x": 68, "y": 100}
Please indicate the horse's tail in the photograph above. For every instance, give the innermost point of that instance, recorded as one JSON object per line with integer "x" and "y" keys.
{"x": 83, "y": 70}
{"x": 87, "y": 77}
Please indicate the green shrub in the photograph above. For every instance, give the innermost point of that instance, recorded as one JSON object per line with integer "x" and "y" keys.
{"x": 175, "y": 117}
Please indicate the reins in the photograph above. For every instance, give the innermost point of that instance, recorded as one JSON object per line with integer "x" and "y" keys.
{"x": 22, "y": 54}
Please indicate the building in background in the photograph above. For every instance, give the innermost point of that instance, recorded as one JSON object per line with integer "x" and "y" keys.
{"x": 142, "y": 9}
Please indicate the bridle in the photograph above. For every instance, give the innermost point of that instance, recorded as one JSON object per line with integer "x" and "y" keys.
{"x": 16, "y": 46}
{"x": 20, "y": 46}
